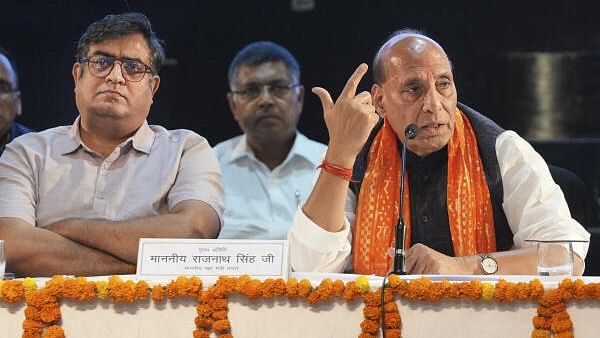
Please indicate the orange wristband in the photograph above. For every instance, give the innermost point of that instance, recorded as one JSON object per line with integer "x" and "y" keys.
{"x": 343, "y": 173}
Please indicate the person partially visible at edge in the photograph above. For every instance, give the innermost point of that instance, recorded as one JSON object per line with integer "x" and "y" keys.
{"x": 268, "y": 169}
{"x": 77, "y": 199}
{"x": 10, "y": 101}
{"x": 474, "y": 191}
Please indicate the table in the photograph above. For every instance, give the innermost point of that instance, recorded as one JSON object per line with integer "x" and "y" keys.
{"x": 280, "y": 317}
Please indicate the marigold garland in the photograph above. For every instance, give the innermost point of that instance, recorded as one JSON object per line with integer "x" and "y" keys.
{"x": 42, "y": 312}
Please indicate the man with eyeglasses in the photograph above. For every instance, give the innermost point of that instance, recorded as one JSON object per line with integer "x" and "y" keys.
{"x": 268, "y": 170}
{"x": 10, "y": 102}
{"x": 77, "y": 199}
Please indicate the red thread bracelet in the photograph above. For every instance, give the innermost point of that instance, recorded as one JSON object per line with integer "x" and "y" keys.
{"x": 341, "y": 172}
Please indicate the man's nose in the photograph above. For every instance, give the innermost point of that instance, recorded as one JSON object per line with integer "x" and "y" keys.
{"x": 116, "y": 74}
{"x": 432, "y": 101}
{"x": 265, "y": 96}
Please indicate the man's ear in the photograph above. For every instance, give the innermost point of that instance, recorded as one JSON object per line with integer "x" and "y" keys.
{"x": 231, "y": 103}
{"x": 155, "y": 84}
{"x": 76, "y": 72}
{"x": 377, "y": 99}
{"x": 300, "y": 98}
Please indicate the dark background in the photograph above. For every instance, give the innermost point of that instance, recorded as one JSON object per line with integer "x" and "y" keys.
{"x": 533, "y": 66}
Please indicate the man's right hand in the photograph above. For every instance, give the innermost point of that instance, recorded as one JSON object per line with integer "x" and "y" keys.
{"x": 349, "y": 120}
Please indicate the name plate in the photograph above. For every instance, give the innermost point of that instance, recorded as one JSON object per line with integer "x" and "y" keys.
{"x": 160, "y": 257}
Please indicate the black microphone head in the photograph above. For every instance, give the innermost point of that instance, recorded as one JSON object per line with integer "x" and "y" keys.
{"x": 411, "y": 131}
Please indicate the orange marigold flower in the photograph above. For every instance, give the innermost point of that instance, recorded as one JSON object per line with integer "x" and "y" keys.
{"x": 219, "y": 315}
{"x": 252, "y": 289}
{"x": 201, "y": 333}
{"x": 268, "y": 288}
{"x": 392, "y": 320}
{"x": 54, "y": 331}
{"x": 54, "y": 286}
{"x": 522, "y": 291}
{"x": 338, "y": 288}
{"x": 40, "y": 298}
{"x": 369, "y": 326}
{"x": 313, "y": 298}
{"x": 219, "y": 304}
{"x": 292, "y": 288}
{"x": 222, "y": 326}
{"x": 50, "y": 313}
{"x": 32, "y": 326}
{"x": 540, "y": 322}
{"x": 551, "y": 298}
{"x": 304, "y": 288}
{"x": 203, "y": 322}
{"x": 121, "y": 291}
{"x": 545, "y": 311}
{"x": 366, "y": 335}
{"x": 226, "y": 335}
{"x": 280, "y": 287}
{"x": 373, "y": 298}
{"x": 158, "y": 293}
{"x": 204, "y": 310}
{"x": 394, "y": 281}
{"x": 390, "y": 307}
{"x": 536, "y": 289}
{"x": 372, "y": 312}
{"x": 393, "y": 333}
{"x": 32, "y": 312}
{"x": 79, "y": 289}
{"x": 13, "y": 291}
{"x": 568, "y": 334}
{"x": 325, "y": 289}
{"x": 561, "y": 325}
{"x": 141, "y": 290}
{"x": 540, "y": 334}
{"x": 351, "y": 291}
{"x": 579, "y": 290}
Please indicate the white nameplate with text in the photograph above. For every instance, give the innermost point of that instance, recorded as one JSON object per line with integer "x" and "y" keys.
{"x": 163, "y": 257}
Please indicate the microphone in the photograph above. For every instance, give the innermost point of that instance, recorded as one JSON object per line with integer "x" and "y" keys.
{"x": 400, "y": 254}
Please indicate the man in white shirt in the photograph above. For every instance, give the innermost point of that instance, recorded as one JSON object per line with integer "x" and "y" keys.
{"x": 475, "y": 192}
{"x": 268, "y": 170}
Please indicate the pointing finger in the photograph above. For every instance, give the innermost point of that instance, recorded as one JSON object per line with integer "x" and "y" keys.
{"x": 350, "y": 88}
{"x": 326, "y": 100}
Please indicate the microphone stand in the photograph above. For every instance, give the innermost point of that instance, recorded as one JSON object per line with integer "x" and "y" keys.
{"x": 400, "y": 251}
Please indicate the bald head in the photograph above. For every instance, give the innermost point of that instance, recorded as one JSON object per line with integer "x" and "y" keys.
{"x": 413, "y": 43}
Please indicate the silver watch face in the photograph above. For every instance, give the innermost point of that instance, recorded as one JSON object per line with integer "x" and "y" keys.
{"x": 489, "y": 265}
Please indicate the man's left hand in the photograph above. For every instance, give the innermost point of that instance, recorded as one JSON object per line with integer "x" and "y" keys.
{"x": 421, "y": 259}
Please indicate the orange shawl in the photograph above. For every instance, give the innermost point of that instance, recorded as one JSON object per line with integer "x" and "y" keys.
{"x": 468, "y": 197}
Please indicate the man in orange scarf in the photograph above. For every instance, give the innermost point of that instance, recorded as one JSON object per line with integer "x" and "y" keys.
{"x": 475, "y": 192}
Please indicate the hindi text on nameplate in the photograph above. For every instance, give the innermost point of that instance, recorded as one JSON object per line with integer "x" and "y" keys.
{"x": 161, "y": 257}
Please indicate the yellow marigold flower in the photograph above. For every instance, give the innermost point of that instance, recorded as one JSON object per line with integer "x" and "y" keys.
{"x": 362, "y": 283}
{"x": 102, "y": 289}
{"x": 1, "y": 285}
{"x": 487, "y": 291}
{"x": 29, "y": 284}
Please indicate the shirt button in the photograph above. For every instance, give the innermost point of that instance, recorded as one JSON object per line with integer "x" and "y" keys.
{"x": 425, "y": 218}
{"x": 426, "y": 178}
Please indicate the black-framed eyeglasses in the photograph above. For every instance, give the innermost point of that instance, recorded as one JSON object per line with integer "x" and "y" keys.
{"x": 101, "y": 65}
{"x": 253, "y": 91}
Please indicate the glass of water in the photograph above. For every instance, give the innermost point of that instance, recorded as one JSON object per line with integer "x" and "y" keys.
{"x": 555, "y": 258}
{"x": 2, "y": 260}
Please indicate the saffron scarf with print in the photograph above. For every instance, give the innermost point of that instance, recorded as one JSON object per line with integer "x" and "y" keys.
{"x": 468, "y": 198}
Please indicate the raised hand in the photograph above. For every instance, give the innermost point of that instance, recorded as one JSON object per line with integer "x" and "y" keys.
{"x": 349, "y": 120}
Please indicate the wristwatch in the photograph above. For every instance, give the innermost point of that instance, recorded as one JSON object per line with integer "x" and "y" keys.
{"x": 489, "y": 265}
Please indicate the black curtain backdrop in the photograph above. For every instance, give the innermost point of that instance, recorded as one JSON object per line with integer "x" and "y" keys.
{"x": 328, "y": 41}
